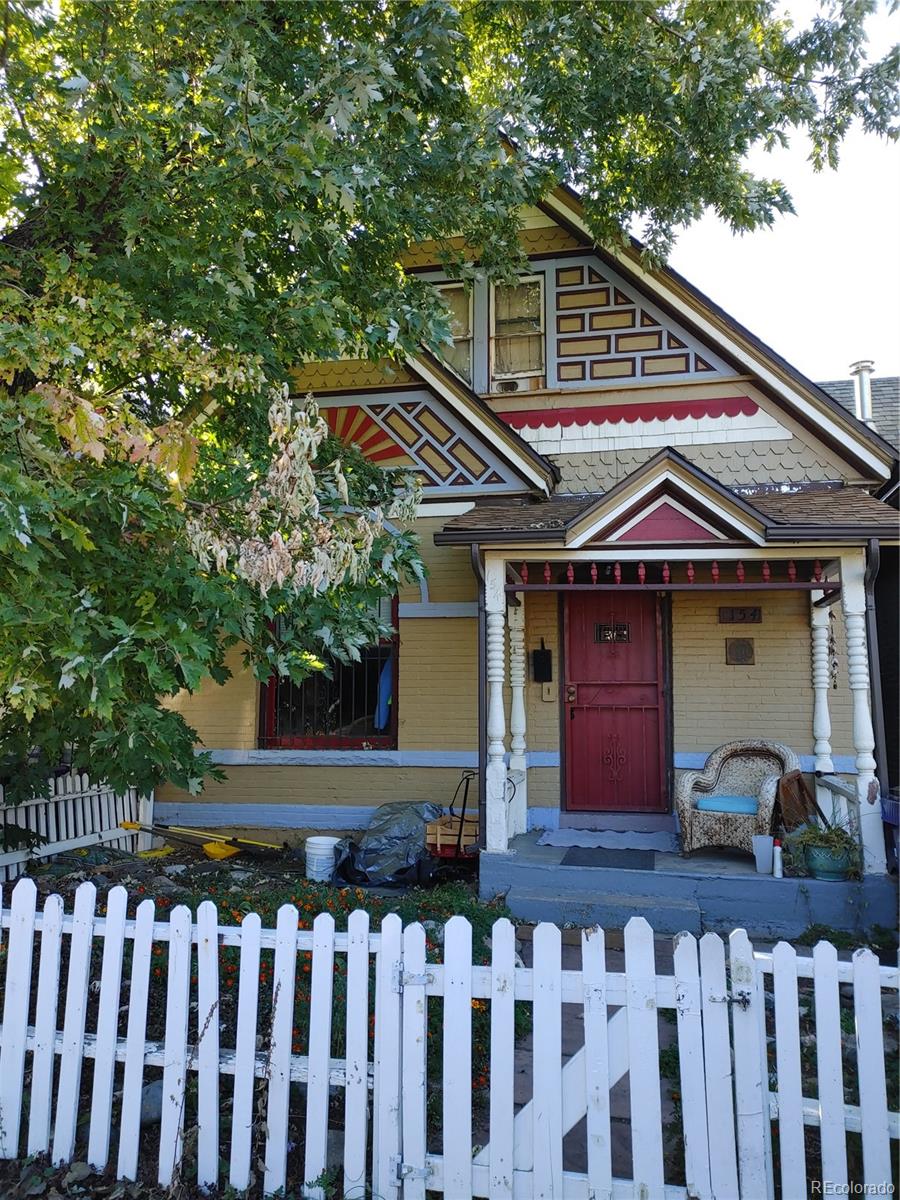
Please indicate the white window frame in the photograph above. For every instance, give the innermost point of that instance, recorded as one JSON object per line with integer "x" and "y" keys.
{"x": 470, "y": 296}
{"x": 542, "y": 370}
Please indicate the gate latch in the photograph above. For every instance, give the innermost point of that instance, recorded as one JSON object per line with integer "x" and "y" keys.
{"x": 401, "y": 978}
{"x": 408, "y": 1171}
{"x": 741, "y": 999}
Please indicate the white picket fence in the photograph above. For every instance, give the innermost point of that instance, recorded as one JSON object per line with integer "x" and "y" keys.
{"x": 112, "y": 989}
{"x": 74, "y": 814}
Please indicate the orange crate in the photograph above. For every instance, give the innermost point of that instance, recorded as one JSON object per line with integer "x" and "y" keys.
{"x": 442, "y": 836}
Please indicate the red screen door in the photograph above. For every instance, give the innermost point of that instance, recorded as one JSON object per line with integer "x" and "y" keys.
{"x": 613, "y": 696}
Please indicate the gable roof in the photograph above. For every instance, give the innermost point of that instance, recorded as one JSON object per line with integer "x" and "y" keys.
{"x": 819, "y": 514}
{"x": 356, "y": 382}
{"x": 871, "y": 455}
{"x": 668, "y": 474}
{"x": 885, "y": 403}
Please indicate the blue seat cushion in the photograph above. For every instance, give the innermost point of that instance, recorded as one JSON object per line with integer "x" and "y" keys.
{"x": 728, "y": 804}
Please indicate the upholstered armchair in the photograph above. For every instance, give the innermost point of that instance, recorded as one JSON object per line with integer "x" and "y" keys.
{"x": 733, "y": 797}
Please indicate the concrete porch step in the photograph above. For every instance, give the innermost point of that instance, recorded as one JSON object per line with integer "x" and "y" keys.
{"x": 667, "y": 914}
{"x": 693, "y": 895}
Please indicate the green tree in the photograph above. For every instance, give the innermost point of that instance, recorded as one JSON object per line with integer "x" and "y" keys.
{"x": 196, "y": 197}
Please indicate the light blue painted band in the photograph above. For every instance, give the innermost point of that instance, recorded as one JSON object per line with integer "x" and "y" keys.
{"x": 543, "y": 818}
{"x": 461, "y": 759}
{"x": 294, "y": 816}
{"x": 263, "y": 816}
{"x": 429, "y": 610}
{"x": 345, "y": 758}
{"x": 696, "y": 760}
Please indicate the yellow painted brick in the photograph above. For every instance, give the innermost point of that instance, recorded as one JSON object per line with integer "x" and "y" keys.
{"x": 715, "y": 703}
{"x": 450, "y": 576}
{"x": 357, "y": 786}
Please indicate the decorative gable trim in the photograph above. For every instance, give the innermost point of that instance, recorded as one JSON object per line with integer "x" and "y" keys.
{"x": 868, "y": 452}
{"x": 688, "y": 494}
{"x": 415, "y": 430}
{"x": 609, "y": 333}
{"x": 533, "y": 469}
{"x": 665, "y": 520}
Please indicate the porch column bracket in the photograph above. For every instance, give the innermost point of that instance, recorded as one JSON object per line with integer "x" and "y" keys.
{"x": 853, "y": 602}
{"x": 517, "y": 720}
{"x": 820, "y": 624}
{"x": 497, "y": 832}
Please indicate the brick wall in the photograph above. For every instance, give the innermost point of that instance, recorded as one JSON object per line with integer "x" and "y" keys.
{"x": 450, "y": 575}
{"x": 329, "y": 786}
{"x": 438, "y": 690}
{"x": 715, "y": 703}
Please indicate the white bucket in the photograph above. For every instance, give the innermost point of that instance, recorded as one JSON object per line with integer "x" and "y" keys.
{"x": 320, "y": 858}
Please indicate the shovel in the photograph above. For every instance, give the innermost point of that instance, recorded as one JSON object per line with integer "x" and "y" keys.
{"x": 214, "y": 845}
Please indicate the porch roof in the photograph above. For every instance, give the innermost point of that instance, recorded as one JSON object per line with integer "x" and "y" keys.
{"x": 811, "y": 513}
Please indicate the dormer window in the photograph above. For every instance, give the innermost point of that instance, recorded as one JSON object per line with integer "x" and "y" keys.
{"x": 459, "y": 301}
{"x": 517, "y": 328}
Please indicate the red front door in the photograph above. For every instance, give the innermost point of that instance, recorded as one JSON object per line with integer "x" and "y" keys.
{"x": 613, "y": 703}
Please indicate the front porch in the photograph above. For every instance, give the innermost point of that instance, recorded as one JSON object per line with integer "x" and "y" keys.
{"x": 787, "y": 695}
{"x": 709, "y": 891}
{"x": 621, "y": 722}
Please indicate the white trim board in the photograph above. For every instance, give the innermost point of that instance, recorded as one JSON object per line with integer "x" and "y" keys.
{"x": 449, "y": 508}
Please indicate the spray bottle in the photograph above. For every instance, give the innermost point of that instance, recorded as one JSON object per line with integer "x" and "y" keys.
{"x": 777, "y": 862}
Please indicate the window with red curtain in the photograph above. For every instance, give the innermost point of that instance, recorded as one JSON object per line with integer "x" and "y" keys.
{"x": 353, "y": 708}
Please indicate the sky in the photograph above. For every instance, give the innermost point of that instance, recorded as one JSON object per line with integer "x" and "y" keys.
{"x": 821, "y": 287}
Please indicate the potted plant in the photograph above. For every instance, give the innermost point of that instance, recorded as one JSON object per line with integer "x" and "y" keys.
{"x": 830, "y": 853}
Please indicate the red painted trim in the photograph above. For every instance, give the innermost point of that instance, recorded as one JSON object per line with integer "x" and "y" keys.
{"x": 665, "y": 524}
{"x": 610, "y": 414}
{"x": 331, "y": 742}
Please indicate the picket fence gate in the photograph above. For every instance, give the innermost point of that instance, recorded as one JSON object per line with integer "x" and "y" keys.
{"x": 727, "y": 1108}
{"x": 75, "y": 813}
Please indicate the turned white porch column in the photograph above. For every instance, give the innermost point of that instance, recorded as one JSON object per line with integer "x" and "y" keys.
{"x": 518, "y": 814}
{"x": 496, "y": 821}
{"x": 820, "y": 625}
{"x": 853, "y": 602}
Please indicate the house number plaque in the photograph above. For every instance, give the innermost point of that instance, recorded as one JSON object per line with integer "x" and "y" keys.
{"x": 740, "y": 616}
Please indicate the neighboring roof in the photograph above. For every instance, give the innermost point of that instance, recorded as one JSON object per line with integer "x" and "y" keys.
{"x": 885, "y": 403}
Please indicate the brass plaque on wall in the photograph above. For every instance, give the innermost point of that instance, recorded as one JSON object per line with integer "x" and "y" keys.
{"x": 740, "y": 652}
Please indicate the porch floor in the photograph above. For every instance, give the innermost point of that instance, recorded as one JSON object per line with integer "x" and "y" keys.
{"x": 712, "y": 862}
{"x": 710, "y": 890}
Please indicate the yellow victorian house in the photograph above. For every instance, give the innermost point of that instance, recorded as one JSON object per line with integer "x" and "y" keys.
{"x": 647, "y": 535}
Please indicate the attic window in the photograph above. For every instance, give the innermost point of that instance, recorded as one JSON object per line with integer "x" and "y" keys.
{"x": 517, "y": 328}
{"x": 459, "y": 356}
